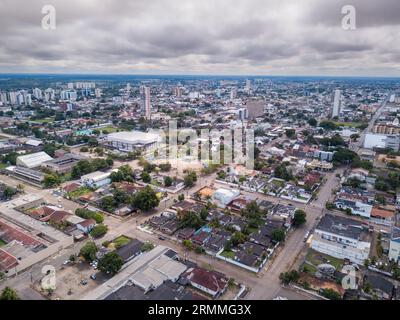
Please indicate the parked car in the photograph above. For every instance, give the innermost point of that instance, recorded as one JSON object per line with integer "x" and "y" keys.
{"x": 84, "y": 282}
{"x": 93, "y": 276}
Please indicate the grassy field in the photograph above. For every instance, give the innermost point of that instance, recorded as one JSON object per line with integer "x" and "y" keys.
{"x": 109, "y": 129}
{"x": 121, "y": 241}
{"x": 79, "y": 192}
{"x": 349, "y": 124}
{"x": 45, "y": 120}
{"x": 316, "y": 258}
{"x": 228, "y": 254}
{"x": 3, "y": 165}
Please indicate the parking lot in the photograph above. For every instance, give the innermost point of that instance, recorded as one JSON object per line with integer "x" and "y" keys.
{"x": 73, "y": 281}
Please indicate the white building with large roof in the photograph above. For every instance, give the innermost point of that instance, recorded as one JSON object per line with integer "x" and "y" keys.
{"x": 132, "y": 140}
{"x": 33, "y": 160}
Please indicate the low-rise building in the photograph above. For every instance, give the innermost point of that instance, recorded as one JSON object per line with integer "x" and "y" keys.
{"x": 96, "y": 179}
{"x": 343, "y": 238}
{"x": 394, "y": 248}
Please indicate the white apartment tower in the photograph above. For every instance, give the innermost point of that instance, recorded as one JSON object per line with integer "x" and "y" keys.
{"x": 146, "y": 103}
{"x": 337, "y": 103}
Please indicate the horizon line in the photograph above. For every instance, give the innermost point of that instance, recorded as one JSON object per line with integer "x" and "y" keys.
{"x": 195, "y": 75}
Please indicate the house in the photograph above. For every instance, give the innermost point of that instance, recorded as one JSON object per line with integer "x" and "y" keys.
{"x": 237, "y": 205}
{"x": 185, "y": 233}
{"x": 382, "y": 214}
{"x": 394, "y": 247}
{"x": 130, "y": 250}
{"x": 170, "y": 226}
{"x": 57, "y": 216}
{"x": 356, "y": 207}
{"x": 379, "y": 286}
{"x": 248, "y": 259}
{"x": 342, "y": 237}
{"x": 215, "y": 243}
{"x": 200, "y": 238}
{"x": 224, "y": 196}
{"x": 86, "y": 226}
{"x": 71, "y": 187}
{"x": 210, "y": 282}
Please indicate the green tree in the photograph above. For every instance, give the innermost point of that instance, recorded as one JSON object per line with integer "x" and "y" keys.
{"x": 288, "y": 277}
{"x": 108, "y": 203}
{"x": 146, "y": 199}
{"x": 165, "y": 166}
{"x": 111, "y": 263}
{"x": 187, "y": 244}
{"x": 290, "y": 133}
{"x": 9, "y": 294}
{"x": 278, "y": 235}
{"x": 8, "y": 192}
{"x": 99, "y": 231}
{"x": 238, "y": 237}
{"x": 312, "y": 122}
{"x": 88, "y": 251}
{"x": 330, "y": 294}
{"x": 190, "y": 179}
{"x": 282, "y": 172}
{"x": 145, "y": 176}
{"x": 147, "y": 246}
{"x": 51, "y": 180}
{"x": 299, "y": 218}
{"x": 168, "y": 181}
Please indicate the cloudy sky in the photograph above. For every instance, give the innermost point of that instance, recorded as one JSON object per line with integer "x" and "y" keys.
{"x": 252, "y": 37}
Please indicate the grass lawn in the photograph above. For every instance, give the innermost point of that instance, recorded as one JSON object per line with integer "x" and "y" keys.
{"x": 2, "y": 243}
{"x": 315, "y": 258}
{"x": 65, "y": 177}
{"x": 45, "y": 120}
{"x": 252, "y": 229}
{"x": 121, "y": 241}
{"x": 3, "y": 165}
{"x": 109, "y": 129}
{"x": 79, "y": 192}
{"x": 228, "y": 254}
{"x": 349, "y": 124}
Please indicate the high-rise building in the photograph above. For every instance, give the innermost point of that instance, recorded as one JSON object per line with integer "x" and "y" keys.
{"x": 233, "y": 93}
{"x": 13, "y": 97}
{"x": 3, "y": 97}
{"x": 69, "y": 95}
{"x": 97, "y": 93}
{"x": 70, "y": 86}
{"x": 248, "y": 85}
{"x": 28, "y": 99}
{"x": 49, "y": 94}
{"x": 337, "y": 103}
{"x": 178, "y": 92}
{"x": 242, "y": 114}
{"x": 20, "y": 98}
{"x": 128, "y": 87}
{"x": 146, "y": 103}
{"x": 37, "y": 93}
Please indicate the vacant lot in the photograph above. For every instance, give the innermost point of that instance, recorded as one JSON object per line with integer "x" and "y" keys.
{"x": 69, "y": 279}
{"x": 315, "y": 258}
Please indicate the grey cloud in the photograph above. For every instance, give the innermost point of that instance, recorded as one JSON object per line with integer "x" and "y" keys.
{"x": 224, "y": 36}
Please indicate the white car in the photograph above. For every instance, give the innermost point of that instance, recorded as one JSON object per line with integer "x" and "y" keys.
{"x": 66, "y": 262}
